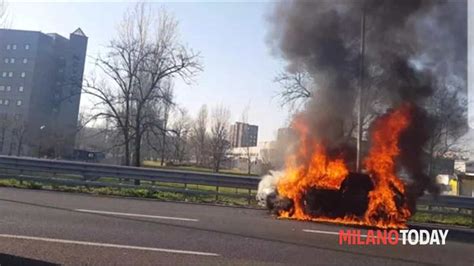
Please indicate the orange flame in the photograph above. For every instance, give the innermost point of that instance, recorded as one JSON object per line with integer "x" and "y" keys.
{"x": 381, "y": 166}
{"x": 311, "y": 167}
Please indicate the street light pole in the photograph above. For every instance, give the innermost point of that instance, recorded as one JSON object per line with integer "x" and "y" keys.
{"x": 359, "y": 92}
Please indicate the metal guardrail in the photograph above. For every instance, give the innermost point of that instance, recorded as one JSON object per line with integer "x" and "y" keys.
{"x": 24, "y": 168}
{"x": 27, "y": 169}
{"x": 448, "y": 205}
{"x": 448, "y": 201}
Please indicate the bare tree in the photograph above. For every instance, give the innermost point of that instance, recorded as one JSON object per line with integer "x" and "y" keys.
{"x": 94, "y": 136}
{"x": 163, "y": 132}
{"x": 87, "y": 132}
{"x": 157, "y": 130}
{"x": 200, "y": 136}
{"x": 5, "y": 125}
{"x": 3, "y": 14}
{"x": 139, "y": 67}
{"x": 13, "y": 131}
{"x": 19, "y": 131}
{"x": 296, "y": 88}
{"x": 180, "y": 129}
{"x": 219, "y": 135}
{"x": 160, "y": 127}
{"x": 448, "y": 110}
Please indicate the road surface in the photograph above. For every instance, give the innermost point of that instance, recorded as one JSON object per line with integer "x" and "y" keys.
{"x": 47, "y": 228}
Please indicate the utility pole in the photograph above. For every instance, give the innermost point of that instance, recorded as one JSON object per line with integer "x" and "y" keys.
{"x": 361, "y": 86}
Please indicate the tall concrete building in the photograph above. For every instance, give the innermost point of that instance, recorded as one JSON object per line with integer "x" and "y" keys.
{"x": 40, "y": 91}
{"x": 243, "y": 135}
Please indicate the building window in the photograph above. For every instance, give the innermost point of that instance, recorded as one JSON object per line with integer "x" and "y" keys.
{"x": 25, "y": 60}
{"x": 9, "y": 88}
{"x": 2, "y": 88}
{"x": 18, "y": 103}
{"x": 27, "y": 47}
{"x": 1, "y": 101}
{"x": 6, "y": 102}
{"x": 9, "y": 47}
{"x": 4, "y": 74}
{"x": 10, "y": 74}
{"x": 5, "y": 60}
{"x": 20, "y": 89}
{"x": 23, "y": 74}
{"x": 12, "y": 60}
{"x": 14, "y": 47}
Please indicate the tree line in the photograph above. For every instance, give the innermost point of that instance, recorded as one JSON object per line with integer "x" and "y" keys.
{"x": 133, "y": 94}
{"x": 178, "y": 140}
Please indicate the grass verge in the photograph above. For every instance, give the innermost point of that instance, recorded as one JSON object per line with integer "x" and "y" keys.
{"x": 141, "y": 192}
{"x": 450, "y": 219}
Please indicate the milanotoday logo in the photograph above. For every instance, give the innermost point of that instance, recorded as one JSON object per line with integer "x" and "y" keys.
{"x": 393, "y": 237}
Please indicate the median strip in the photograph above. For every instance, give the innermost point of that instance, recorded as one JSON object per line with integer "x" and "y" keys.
{"x": 138, "y": 215}
{"x": 107, "y": 245}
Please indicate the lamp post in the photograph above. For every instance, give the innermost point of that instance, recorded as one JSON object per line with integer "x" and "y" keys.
{"x": 360, "y": 89}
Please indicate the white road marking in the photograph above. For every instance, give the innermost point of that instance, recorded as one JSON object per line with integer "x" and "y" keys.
{"x": 321, "y": 232}
{"x": 139, "y": 215}
{"x": 106, "y": 245}
{"x": 328, "y": 232}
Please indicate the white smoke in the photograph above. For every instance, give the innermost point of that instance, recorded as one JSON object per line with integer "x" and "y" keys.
{"x": 268, "y": 186}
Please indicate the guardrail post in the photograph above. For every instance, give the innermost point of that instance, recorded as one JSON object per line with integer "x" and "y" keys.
{"x": 217, "y": 193}
{"x": 185, "y": 192}
{"x": 472, "y": 217}
{"x": 250, "y": 196}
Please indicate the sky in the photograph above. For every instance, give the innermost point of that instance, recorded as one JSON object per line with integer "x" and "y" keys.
{"x": 238, "y": 65}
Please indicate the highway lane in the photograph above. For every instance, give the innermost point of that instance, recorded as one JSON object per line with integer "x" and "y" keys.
{"x": 56, "y": 227}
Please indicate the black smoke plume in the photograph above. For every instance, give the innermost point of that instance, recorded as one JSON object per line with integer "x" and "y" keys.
{"x": 410, "y": 46}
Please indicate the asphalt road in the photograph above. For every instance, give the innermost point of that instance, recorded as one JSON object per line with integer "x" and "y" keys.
{"x": 44, "y": 228}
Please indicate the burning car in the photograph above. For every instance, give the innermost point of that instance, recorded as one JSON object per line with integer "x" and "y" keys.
{"x": 318, "y": 186}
